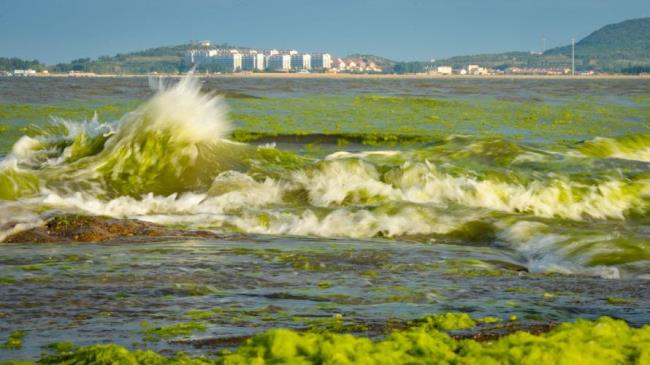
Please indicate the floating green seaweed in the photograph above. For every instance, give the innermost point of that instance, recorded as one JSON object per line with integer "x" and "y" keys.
{"x": 14, "y": 341}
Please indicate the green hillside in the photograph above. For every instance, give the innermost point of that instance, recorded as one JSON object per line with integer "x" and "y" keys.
{"x": 620, "y": 47}
{"x": 629, "y": 39}
{"x": 10, "y": 64}
{"x": 614, "y": 47}
{"x": 502, "y": 61}
{"x": 168, "y": 59}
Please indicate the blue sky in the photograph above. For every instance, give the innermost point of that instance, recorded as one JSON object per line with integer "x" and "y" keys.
{"x": 61, "y": 30}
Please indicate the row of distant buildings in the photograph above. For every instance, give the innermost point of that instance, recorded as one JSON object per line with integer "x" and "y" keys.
{"x": 234, "y": 60}
{"x": 28, "y": 72}
{"x": 477, "y": 70}
{"x": 355, "y": 65}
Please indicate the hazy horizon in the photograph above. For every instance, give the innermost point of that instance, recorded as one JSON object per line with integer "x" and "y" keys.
{"x": 418, "y": 30}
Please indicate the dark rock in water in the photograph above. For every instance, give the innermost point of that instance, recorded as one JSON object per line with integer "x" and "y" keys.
{"x": 82, "y": 228}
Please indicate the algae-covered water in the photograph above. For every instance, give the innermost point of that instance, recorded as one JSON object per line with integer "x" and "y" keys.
{"x": 348, "y": 205}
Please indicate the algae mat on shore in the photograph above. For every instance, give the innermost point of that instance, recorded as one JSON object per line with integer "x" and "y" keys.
{"x": 604, "y": 341}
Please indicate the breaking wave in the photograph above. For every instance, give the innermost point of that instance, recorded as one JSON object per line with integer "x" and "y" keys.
{"x": 635, "y": 147}
{"x": 169, "y": 161}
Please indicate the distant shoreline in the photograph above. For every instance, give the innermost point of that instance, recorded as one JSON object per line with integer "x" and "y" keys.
{"x": 356, "y": 76}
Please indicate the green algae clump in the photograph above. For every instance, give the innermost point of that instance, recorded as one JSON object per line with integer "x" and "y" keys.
{"x": 182, "y": 329}
{"x": 15, "y": 341}
{"x": 104, "y": 354}
{"x": 448, "y": 322}
{"x": 604, "y": 341}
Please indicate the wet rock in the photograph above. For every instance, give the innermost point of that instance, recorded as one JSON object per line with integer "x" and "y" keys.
{"x": 492, "y": 333}
{"x": 82, "y": 228}
{"x": 377, "y": 330}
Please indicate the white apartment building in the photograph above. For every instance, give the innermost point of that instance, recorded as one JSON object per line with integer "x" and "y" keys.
{"x": 227, "y": 61}
{"x": 222, "y": 60}
{"x": 200, "y": 56}
{"x": 253, "y": 61}
{"x": 301, "y": 61}
{"x": 321, "y": 61}
{"x": 278, "y": 62}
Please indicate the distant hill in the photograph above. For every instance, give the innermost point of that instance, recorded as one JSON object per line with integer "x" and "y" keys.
{"x": 615, "y": 48}
{"x": 10, "y": 64}
{"x": 500, "y": 61}
{"x": 168, "y": 59}
{"x": 628, "y": 39}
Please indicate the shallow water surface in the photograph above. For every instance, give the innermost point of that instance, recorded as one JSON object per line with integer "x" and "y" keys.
{"x": 97, "y": 293}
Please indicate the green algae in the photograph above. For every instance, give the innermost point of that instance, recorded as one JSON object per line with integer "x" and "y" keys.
{"x": 622, "y": 147}
{"x": 337, "y": 323}
{"x": 369, "y": 274}
{"x": 154, "y": 334}
{"x": 447, "y": 322}
{"x": 302, "y": 261}
{"x": 603, "y": 341}
{"x": 15, "y": 184}
{"x": 489, "y": 320}
{"x": 197, "y": 314}
{"x": 192, "y": 289}
{"x": 14, "y": 341}
{"x": 394, "y": 117}
{"x": 84, "y": 145}
{"x": 111, "y": 354}
{"x": 618, "y": 301}
{"x": 71, "y": 110}
{"x": 31, "y": 267}
{"x": 62, "y": 346}
{"x": 518, "y": 290}
{"x": 384, "y": 120}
